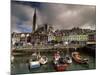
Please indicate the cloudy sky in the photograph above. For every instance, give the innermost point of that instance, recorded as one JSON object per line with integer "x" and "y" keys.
{"x": 61, "y": 16}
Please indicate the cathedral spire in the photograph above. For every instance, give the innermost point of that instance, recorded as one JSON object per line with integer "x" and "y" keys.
{"x": 34, "y": 21}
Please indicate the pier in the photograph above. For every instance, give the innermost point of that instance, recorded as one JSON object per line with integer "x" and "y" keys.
{"x": 23, "y": 51}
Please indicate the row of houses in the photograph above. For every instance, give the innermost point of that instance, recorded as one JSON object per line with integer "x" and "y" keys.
{"x": 45, "y": 38}
{"x": 68, "y": 38}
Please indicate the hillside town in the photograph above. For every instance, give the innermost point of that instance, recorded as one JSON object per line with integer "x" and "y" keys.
{"x": 45, "y": 35}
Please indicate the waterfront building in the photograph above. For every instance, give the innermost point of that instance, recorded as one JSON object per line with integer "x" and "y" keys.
{"x": 51, "y": 37}
{"x": 75, "y": 38}
{"x": 58, "y": 38}
{"x": 91, "y": 38}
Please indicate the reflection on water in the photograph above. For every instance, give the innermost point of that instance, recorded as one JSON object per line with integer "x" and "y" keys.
{"x": 20, "y": 65}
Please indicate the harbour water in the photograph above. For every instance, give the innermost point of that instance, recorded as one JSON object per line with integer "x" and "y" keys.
{"x": 20, "y": 65}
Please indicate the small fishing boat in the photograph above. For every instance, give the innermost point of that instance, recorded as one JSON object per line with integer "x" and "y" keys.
{"x": 60, "y": 65}
{"x": 57, "y": 56}
{"x": 59, "y": 62}
{"x": 33, "y": 64}
{"x": 77, "y": 57}
{"x": 43, "y": 60}
{"x": 68, "y": 59}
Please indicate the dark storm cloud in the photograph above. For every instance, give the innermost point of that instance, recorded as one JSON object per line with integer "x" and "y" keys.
{"x": 68, "y": 16}
{"x": 61, "y": 16}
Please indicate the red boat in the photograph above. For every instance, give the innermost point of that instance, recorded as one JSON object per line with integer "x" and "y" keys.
{"x": 59, "y": 62}
{"x": 60, "y": 67}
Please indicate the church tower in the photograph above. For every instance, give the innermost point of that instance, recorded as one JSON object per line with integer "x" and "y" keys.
{"x": 34, "y": 21}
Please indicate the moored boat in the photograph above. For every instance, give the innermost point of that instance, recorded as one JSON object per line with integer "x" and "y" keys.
{"x": 33, "y": 64}
{"x": 59, "y": 62}
{"x": 43, "y": 60}
{"x": 60, "y": 65}
{"x": 68, "y": 59}
{"x": 78, "y": 58}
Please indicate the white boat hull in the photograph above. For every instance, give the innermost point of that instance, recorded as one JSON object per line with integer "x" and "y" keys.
{"x": 43, "y": 60}
{"x": 68, "y": 59}
{"x": 34, "y": 64}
